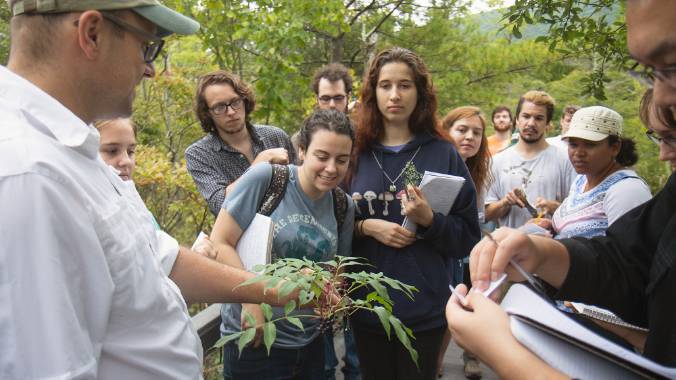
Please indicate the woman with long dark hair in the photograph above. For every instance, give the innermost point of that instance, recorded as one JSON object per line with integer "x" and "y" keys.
{"x": 397, "y": 131}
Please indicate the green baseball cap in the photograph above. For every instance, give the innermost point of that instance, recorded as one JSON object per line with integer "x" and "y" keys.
{"x": 167, "y": 20}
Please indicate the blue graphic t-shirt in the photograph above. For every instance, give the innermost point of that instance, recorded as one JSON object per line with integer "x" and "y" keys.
{"x": 303, "y": 227}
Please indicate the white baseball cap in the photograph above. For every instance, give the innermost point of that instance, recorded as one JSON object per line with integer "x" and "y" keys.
{"x": 594, "y": 124}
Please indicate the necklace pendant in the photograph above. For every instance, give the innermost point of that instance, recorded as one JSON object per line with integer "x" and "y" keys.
{"x": 393, "y": 189}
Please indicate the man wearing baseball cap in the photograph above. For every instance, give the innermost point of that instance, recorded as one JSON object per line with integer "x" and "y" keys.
{"x": 82, "y": 294}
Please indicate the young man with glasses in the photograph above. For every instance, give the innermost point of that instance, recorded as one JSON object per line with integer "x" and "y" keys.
{"x": 83, "y": 294}
{"x": 332, "y": 85}
{"x": 630, "y": 271}
{"x": 223, "y": 104}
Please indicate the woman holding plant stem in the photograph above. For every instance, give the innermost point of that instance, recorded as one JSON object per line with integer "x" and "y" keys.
{"x": 304, "y": 227}
{"x": 398, "y": 130}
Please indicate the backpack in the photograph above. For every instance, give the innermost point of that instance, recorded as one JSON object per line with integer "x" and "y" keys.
{"x": 275, "y": 192}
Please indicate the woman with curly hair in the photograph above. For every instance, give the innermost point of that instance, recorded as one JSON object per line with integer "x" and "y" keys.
{"x": 397, "y": 130}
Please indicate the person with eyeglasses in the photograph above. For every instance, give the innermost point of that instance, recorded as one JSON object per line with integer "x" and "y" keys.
{"x": 659, "y": 129}
{"x": 82, "y": 292}
{"x": 223, "y": 105}
{"x": 630, "y": 271}
{"x": 332, "y": 86}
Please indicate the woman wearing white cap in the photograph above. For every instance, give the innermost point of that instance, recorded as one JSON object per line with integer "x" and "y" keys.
{"x": 605, "y": 189}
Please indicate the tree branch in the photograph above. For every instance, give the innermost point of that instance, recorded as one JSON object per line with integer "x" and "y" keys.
{"x": 382, "y": 21}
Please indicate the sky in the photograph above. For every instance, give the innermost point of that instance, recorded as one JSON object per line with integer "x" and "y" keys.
{"x": 486, "y": 5}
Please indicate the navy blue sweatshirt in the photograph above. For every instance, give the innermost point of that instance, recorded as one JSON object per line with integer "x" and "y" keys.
{"x": 425, "y": 263}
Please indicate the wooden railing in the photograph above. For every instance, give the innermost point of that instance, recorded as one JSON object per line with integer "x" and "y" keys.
{"x": 207, "y": 323}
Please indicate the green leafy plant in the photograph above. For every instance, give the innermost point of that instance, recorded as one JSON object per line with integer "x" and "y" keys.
{"x": 330, "y": 288}
{"x": 411, "y": 175}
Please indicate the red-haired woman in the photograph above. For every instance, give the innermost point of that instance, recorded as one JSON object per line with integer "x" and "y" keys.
{"x": 466, "y": 127}
{"x": 397, "y": 126}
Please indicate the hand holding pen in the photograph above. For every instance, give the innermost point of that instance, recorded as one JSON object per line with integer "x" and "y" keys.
{"x": 517, "y": 254}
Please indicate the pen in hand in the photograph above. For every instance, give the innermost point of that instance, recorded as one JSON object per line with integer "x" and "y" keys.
{"x": 487, "y": 293}
{"x": 532, "y": 280}
{"x": 461, "y": 298}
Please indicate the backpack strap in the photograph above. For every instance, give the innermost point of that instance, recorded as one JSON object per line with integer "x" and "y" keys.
{"x": 339, "y": 206}
{"x": 275, "y": 191}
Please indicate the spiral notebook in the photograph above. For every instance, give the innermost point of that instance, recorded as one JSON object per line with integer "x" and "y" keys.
{"x": 603, "y": 315}
{"x": 440, "y": 191}
{"x": 570, "y": 347}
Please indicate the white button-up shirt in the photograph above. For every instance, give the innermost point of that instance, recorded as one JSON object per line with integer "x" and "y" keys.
{"x": 81, "y": 293}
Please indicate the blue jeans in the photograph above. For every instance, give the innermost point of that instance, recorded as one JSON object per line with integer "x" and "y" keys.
{"x": 306, "y": 363}
{"x": 351, "y": 367}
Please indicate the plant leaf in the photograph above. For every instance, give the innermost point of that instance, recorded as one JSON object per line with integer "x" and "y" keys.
{"x": 258, "y": 267}
{"x": 269, "y": 335}
{"x": 403, "y": 338}
{"x": 373, "y": 296}
{"x": 246, "y": 338}
{"x": 271, "y": 283}
{"x": 253, "y": 280}
{"x": 227, "y": 339}
{"x": 305, "y": 297}
{"x": 380, "y": 289}
{"x": 383, "y": 315}
{"x": 267, "y": 311}
{"x": 287, "y": 288}
{"x": 249, "y": 318}
{"x": 289, "y": 307}
{"x": 296, "y": 322}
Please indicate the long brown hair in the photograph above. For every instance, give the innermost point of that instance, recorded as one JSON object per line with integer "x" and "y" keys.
{"x": 479, "y": 165}
{"x": 370, "y": 127}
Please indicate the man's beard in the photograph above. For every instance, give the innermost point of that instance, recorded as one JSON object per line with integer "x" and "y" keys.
{"x": 531, "y": 140}
{"x": 230, "y": 129}
{"x": 501, "y": 129}
{"x": 233, "y": 131}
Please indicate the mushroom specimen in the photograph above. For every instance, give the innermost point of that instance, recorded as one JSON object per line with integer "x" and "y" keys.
{"x": 399, "y": 195}
{"x": 370, "y": 196}
{"x": 386, "y": 197}
{"x": 356, "y": 197}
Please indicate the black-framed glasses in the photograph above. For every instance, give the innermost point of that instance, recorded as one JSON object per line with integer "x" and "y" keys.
{"x": 671, "y": 141}
{"x": 326, "y": 99}
{"x": 649, "y": 74}
{"x": 152, "y": 44}
{"x": 221, "y": 108}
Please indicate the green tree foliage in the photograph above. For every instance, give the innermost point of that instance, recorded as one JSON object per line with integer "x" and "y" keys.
{"x": 163, "y": 108}
{"x": 276, "y": 45}
{"x": 170, "y": 194}
{"x": 577, "y": 28}
{"x": 4, "y": 32}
